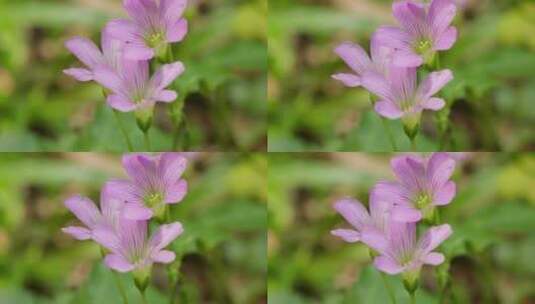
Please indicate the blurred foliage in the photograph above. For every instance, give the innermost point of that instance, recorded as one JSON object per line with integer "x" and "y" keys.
{"x": 223, "y": 90}
{"x": 490, "y": 99}
{"x": 221, "y": 254}
{"x": 489, "y": 255}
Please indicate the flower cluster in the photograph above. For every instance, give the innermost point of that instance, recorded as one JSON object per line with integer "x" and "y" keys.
{"x": 395, "y": 210}
{"x": 391, "y": 73}
{"x": 120, "y": 225}
{"x": 128, "y": 45}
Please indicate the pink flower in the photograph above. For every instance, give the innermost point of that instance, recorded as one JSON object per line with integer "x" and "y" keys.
{"x": 90, "y": 215}
{"x": 131, "y": 249}
{"x": 133, "y": 90}
{"x": 422, "y": 185}
{"x": 360, "y": 63}
{"x": 424, "y": 30}
{"x": 155, "y": 182}
{"x": 401, "y": 97}
{"x": 90, "y": 55}
{"x": 406, "y": 254}
{"x": 370, "y": 228}
{"x": 154, "y": 24}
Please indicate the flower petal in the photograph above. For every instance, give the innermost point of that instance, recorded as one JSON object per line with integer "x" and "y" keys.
{"x": 441, "y": 14}
{"x": 165, "y": 235}
{"x": 388, "y": 109}
{"x": 433, "y": 104}
{"x": 108, "y": 79}
{"x": 383, "y": 197}
{"x": 176, "y": 193}
{"x": 79, "y": 233}
{"x": 409, "y": 171}
{"x": 392, "y": 192}
{"x": 406, "y": 214}
{"x": 166, "y": 74}
{"x": 445, "y": 194}
{"x": 434, "y": 237}
{"x": 163, "y": 256}
{"x": 440, "y": 168}
{"x": 354, "y": 56}
{"x": 171, "y": 167}
{"x": 135, "y": 169}
{"x": 121, "y": 103}
{"x": 107, "y": 238}
{"x": 434, "y": 258}
{"x": 172, "y": 10}
{"x": 177, "y": 31}
{"x": 125, "y": 190}
{"x": 374, "y": 238}
{"x": 136, "y": 211}
{"x": 353, "y": 212}
{"x": 79, "y": 74}
{"x": 141, "y": 10}
{"x": 166, "y": 96}
{"x": 445, "y": 40}
{"x": 348, "y": 235}
{"x": 111, "y": 203}
{"x": 387, "y": 264}
{"x": 85, "y": 50}
{"x": 124, "y": 30}
{"x": 433, "y": 83}
{"x": 349, "y": 80}
{"x": 393, "y": 37}
{"x": 118, "y": 263}
{"x": 84, "y": 209}
{"x": 410, "y": 15}
{"x": 409, "y": 59}
{"x": 377, "y": 84}
{"x": 138, "y": 52}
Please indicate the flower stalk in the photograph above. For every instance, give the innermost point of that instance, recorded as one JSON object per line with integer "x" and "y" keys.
{"x": 386, "y": 127}
{"x": 123, "y": 130}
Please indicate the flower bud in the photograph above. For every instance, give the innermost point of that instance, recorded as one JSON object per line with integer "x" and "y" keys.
{"x": 141, "y": 278}
{"x": 411, "y": 124}
{"x": 144, "y": 118}
{"x": 411, "y": 280}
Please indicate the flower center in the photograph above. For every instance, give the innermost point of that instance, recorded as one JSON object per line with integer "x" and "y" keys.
{"x": 422, "y": 201}
{"x": 155, "y": 39}
{"x": 406, "y": 258}
{"x": 405, "y": 105}
{"x": 423, "y": 46}
{"x": 153, "y": 199}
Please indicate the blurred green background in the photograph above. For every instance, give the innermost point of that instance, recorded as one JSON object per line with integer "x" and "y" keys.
{"x": 490, "y": 253}
{"x": 224, "y": 86}
{"x": 492, "y": 94}
{"x": 223, "y": 249}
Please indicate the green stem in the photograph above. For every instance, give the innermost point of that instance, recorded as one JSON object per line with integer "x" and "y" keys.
{"x": 123, "y": 130}
{"x": 115, "y": 278}
{"x": 437, "y": 61}
{"x": 120, "y": 286}
{"x": 143, "y": 297}
{"x": 147, "y": 140}
{"x": 176, "y": 133}
{"x": 388, "y": 288}
{"x": 170, "y": 55}
{"x": 413, "y": 144}
{"x": 172, "y": 298}
{"x": 176, "y": 113}
{"x": 389, "y": 134}
{"x": 444, "y": 294}
{"x": 386, "y": 127}
{"x": 413, "y": 297}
